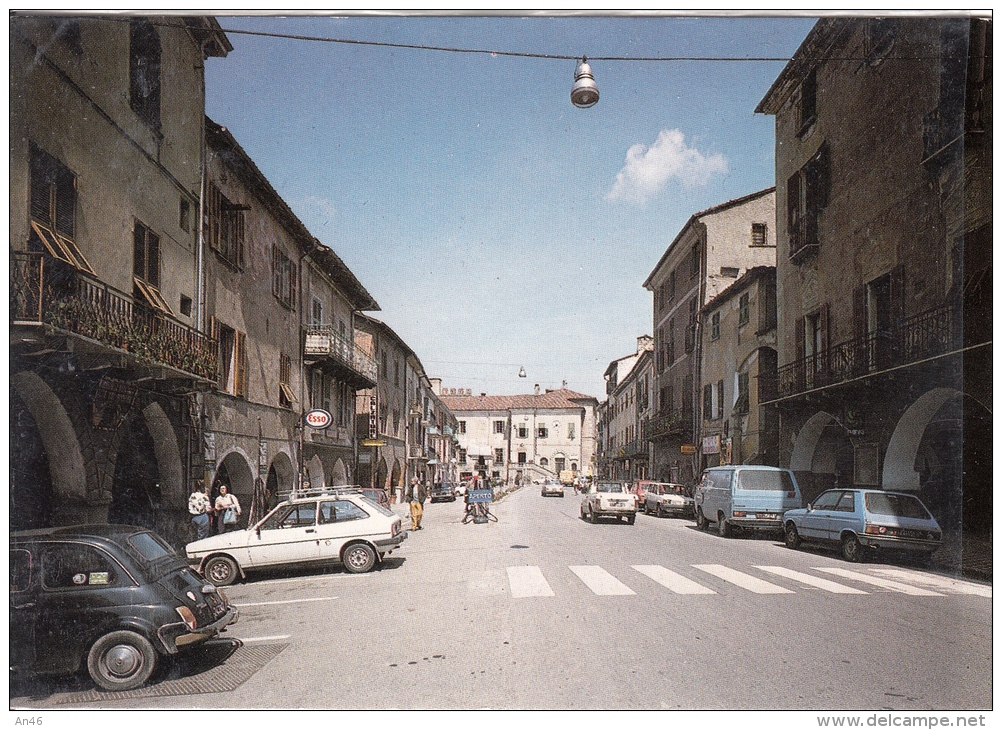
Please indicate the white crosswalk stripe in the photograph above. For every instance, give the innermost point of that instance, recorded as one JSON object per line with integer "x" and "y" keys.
{"x": 880, "y": 582}
{"x": 742, "y": 580}
{"x": 673, "y": 581}
{"x": 600, "y": 581}
{"x": 937, "y": 581}
{"x": 811, "y": 580}
{"x": 527, "y": 581}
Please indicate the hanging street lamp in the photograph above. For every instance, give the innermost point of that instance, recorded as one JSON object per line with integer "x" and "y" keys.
{"x": 584, "y": 93}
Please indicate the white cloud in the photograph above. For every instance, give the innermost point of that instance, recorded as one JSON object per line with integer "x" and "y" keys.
{"x": 648, "y": 169}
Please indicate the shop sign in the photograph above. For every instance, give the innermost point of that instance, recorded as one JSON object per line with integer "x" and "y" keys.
{"x": 687, "y": 449}
{"x": 711, "y": 444}
{"x": 318, "y": 418}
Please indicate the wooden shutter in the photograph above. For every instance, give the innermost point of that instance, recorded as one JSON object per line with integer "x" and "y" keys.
{"x": 213, "y": 215}
{"x": 240, "y": 361}
{"x": 798, "y": 340}
{"x": 824, "y": 338}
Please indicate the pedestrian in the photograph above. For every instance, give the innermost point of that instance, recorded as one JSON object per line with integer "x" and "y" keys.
{"x": 227, "y": 510}
{"x": 417, "y": 504}
{"x": 201, "y": 510}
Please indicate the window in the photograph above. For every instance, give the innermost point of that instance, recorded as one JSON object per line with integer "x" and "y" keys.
{"x": 542, "y": 432}
{"x": 570, "y": 431}
{"x": 731, "y": 272}
{"x": 20, "y": 570}
{"x": 317, "y": 312}
{"x": 807, "y": 110}
{"x": 498, "y": 456}
{"x": 828, "y": 500}
{"x": 521, "y": 458}
{"x": 758, "y": 234}
{"x": 462, "y": 456}
{"x": 184, "y": 215}
{"x": 292, "y": 516}
{"x": 146, "y": 268}
{"x": 880, "y": 34}
{"x": 523, "y": 431}
{"x": 144, "y": 71}
{"x": 232, "y": 346}
{"x": 743, "y": 309}
{"x": 543, "y": 461}
{"x": 715, "y": 326}
{"x": 225, "y": 226}
{"x": 286, "y": 396}
{"x": 708, "y": 402}
{"x": 806, "y": 197}
{"x": 499, "y": 427}
{"x": 671, "y": 286}
{"x": 690, "y": 329}
{"x": 741, "y": 402}
{"x": 77, "y": 566}
{"x": 283, "y": 277}
{"x": 185, "y": 306}
{"x": 847, "y": 503}
{"x": 341, "y": 510}
{"x": 694, "y": 261}
{"x": 53, "y": 209}
{"x": 462, "y": 426}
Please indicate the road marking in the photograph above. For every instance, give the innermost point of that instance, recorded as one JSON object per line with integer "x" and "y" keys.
{"x": 527, "y": 581}
{"x": 599, "y": 581}
{"x": 294, "y": 600}
{"x": 255, "y": 639}
{"x": 936, "y": 581}
{"x": 673, "y": 581}
{"x": 742, "y": 580}
{"x": 811, "y": 580}
{"x": 881, "y": 582}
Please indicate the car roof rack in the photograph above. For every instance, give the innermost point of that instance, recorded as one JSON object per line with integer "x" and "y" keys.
{"x": 324, "y": 491}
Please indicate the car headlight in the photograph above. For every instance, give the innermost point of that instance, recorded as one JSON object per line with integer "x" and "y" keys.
{"x": 189, "y": 618}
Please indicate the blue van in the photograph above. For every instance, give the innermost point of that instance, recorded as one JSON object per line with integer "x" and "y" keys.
{"x": 745, "y": 496}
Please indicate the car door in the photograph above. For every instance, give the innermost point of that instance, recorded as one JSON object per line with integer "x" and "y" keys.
{"x": 289, "y": 535}
{"x": 340, "y": 520}
{"x": 843, "y": 516}
{"x": 816, "y": 523}
{"x": 23, "y": 608}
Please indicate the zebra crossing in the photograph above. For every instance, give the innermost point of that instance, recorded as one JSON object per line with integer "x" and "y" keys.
{"x": 530, "y": 581}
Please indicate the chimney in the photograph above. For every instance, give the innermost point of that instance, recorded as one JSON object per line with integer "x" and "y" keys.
{"x": 436, "y": 385}
{"x": 483, "y": 395}
{"x": 536, "y": 389}
{"x": 644, "y": 343}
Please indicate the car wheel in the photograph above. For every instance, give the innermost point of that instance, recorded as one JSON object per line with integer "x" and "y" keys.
{"x": 851, "y": 549}
{"x": 723, "y": 529}
{"x": 221, "y": 570}
{"x": 792, "y": 537}
{"x": 631, "y": 519}
{"x": 121, "y": 660}
{"x": 701, "y": 521}
{"x": 359, "y": 558}
{"x": 591, "y": 516}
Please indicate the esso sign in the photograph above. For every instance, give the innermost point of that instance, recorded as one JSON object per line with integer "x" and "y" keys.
{"x": 318, "y": 418}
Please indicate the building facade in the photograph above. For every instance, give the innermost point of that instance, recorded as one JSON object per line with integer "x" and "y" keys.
{"x": 523, "y": 437}
{"x": 714, "y": 248}
{"x": 625, "y": 450}
{"x": 107, "y": 345}
{"x": 883, "y": 270}
{"x": 738, "y": 373}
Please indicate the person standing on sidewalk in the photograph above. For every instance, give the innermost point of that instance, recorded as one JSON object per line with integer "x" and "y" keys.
{"x": 417, "y": 503}
{"x": 200, "y": 508}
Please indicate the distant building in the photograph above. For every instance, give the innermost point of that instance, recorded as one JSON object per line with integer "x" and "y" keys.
{"x": 738, "y": 373}
{"x": 713, "y": 249}
{"x": 525, "y": 436}
{"x": 624, "y": 450}
{"x": 884, "y": 275}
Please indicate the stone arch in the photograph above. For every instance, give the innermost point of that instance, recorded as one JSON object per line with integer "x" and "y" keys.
{"x": 802, "y": 458}
{"x": 67, "y": 469}
{"x": 284, "y": 472}
{"x": 315, "y": 472}
{"x": 339, "y": 476}
{"x": 381, "y": 475}
{"x": 234, "y": 470}
{"x": 168, "y": 457}
{"x": 899, "y": 461}
{"x": 822, "y": 455}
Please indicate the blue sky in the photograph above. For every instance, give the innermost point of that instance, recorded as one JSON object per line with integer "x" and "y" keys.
{"x": 497, "y": 225}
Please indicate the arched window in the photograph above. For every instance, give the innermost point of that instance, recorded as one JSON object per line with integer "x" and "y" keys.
{"x": 543, "y": 461}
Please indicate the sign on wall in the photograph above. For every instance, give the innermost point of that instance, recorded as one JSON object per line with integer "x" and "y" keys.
{"x": 318, "y": 418}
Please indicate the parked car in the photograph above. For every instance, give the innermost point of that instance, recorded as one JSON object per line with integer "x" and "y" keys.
{"x": 640, "y": 489}
{"x": 865, "y": 520}
{"x": 552, "y": 486}
{"x": 443, "y": 492}
{"x": 377, "y": 495}
{"x": 113, "y": 598}
{"x": 461, "y": 488}
{"x": 339, "y": 526}
{"x": 609, "y": 499}
{"x": 667, "y": 499}
{"x": 746, "y": 496}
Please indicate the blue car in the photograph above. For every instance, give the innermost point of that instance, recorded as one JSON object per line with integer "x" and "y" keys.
{"x": 865, "y": 520}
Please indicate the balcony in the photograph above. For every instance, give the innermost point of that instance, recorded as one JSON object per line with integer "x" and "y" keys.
{"x": 666, "y": 424}
{"x": 326, "y": 347}
{"x": 70, "y": 301}
{"x": 927, "y": 334}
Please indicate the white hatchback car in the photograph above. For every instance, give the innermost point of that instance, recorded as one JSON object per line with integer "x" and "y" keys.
{"x": 340, "y": 526}
{"x": 609, "y": 499}
{"x": 552, "y": 486}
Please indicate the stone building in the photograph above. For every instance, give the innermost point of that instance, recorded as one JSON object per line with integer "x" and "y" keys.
{"x": 523, "y": 436}
{"x": 107, "y": 345}
{"x": 714, "y": 248}
{"x": 624, "y": 451}
{"x": 738, "y": 372}
{"x": 883, "y": 168}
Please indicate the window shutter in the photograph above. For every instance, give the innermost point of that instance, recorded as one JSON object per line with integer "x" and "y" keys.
{"x": 798, "y": 339}
{"x": 897, "y": 294}
{"x": 213, "y": 212}
{"x": 824, "y": 324}
{"x": 240, "y": 358}
{"x": 240, "y": 237}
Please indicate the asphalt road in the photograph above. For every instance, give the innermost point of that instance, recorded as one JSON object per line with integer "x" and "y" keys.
{"x": 542, "y": 610}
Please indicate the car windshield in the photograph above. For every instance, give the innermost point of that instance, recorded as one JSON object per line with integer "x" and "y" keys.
{"x": 378, "y": 507}
{"x": 896, "y": 505}
{"x": 765, "y": 480}
{"x": 149, "y": 546}
{"x": 610, "y": 488}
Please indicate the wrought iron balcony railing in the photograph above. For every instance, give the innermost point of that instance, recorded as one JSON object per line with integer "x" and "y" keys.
{"x": 927, "y": 334}
{"x": 324, "y": 341}
{"x": 668, "y": 424}
{"x": 75, "y": 302}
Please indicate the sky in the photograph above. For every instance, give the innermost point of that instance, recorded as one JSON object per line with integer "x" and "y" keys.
{"x": 498, "y": 226}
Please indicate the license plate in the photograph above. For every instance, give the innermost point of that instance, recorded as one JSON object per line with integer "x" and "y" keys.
{"x": 767, "y": 517}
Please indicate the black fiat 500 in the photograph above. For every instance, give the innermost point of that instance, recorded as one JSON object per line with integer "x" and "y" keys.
{"x": 113, "y": 598}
